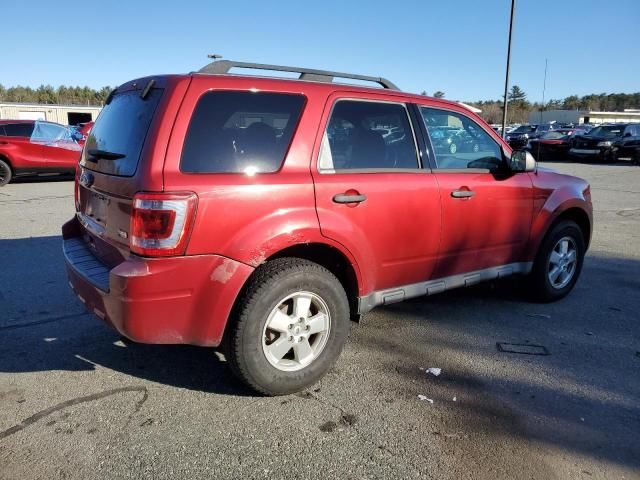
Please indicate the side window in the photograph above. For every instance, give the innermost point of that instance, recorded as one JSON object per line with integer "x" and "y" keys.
{"x": 19, "y": 129}
{"x": 368, "y": 135}
{"x": 459, "y": 142}
{"x": 240, "y": 132}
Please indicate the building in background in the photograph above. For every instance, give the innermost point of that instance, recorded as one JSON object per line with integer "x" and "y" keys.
{"x": 584, "y": 116}
{"x": 64, "y": 114}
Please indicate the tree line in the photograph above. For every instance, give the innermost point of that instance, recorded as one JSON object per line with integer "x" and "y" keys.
{"x": 519, "y": 107}
{"x": 48, "y": 95}
{"x": 518, "y": 110}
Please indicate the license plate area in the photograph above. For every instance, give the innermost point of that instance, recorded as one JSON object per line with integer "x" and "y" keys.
{"x": 96, "y": 207}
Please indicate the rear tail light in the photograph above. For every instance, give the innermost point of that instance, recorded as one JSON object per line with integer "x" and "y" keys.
{"x": 161, "y": 223}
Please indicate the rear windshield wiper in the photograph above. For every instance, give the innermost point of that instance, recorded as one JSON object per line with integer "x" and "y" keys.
{"x": 95, "y": 154}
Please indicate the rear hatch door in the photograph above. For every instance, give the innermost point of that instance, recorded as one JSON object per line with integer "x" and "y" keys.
{"x": 124, "y": 154}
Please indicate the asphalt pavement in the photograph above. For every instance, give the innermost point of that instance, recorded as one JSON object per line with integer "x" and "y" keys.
{"x": 76, "y": 402}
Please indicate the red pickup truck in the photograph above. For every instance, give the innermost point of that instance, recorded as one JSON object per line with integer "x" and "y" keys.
{"x": 262, "y": 214}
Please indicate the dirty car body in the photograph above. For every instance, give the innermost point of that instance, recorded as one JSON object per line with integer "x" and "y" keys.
{"x": 253, "y": 209}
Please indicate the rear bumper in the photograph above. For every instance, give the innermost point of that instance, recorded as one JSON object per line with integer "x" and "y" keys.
{"x": 175, "y": 300}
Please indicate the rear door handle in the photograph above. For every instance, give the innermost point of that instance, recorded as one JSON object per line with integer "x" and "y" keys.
{"x": 349, "y": 198}
{"x": 462, "y": 194}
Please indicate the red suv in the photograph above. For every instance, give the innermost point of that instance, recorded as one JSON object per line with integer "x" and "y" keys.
{"x": 29, "y": 147}
{"x": 262, "y": 214}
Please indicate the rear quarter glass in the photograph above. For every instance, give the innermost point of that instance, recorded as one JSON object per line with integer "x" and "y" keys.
{"x": 121, "y": 128}
{"x": 240, "y": 132}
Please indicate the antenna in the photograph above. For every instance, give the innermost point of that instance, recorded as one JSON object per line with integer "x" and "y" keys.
{"x": 214, "y": 56}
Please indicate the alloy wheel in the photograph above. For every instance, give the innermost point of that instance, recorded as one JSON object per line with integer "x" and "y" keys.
{"x": 563, "y": 261}
{"x": 296, "y": 331}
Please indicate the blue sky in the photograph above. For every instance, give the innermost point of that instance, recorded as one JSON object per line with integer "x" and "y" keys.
{"x": 458, "y": 47}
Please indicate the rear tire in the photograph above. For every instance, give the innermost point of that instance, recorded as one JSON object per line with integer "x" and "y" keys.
{"x": 5, "y": 173}
{"x": 558, "y": 263}
{"x": 288, "y": 328}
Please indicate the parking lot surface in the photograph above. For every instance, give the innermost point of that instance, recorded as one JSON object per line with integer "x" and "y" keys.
{"x": 77, "y": 402}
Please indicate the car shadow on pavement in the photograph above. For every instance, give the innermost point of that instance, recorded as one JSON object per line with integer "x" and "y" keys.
{"x": 581, "y": 397}
{"x": 67, "y": 177}
{"x": 44, "y": 327}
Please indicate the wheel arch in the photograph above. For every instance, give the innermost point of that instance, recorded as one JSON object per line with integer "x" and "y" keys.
{"x": 580, "y": 217}
{"x": 333, "y": 260}
{"x": 329, "y": 257}
{"x": 5, "y": 158}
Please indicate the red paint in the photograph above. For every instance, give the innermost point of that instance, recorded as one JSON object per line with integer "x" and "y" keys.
{"x": 27, "y": 156}
{"x": 408, "y": 230}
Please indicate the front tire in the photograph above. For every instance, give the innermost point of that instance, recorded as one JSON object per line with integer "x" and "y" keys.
{"x": 558, "y": 263}
{"x": 5, "y": 173}
{"x": 288, "y": 328}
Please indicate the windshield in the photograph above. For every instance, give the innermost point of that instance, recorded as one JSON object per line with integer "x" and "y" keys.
{"x": 553, "y": 135}
{"x": 607, "y": 131}
{"x": 525, "y": 129}
{"x": 121, "y": 129}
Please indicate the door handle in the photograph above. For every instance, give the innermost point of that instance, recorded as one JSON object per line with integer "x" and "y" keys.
{"x": 349, "y": 198}
{"x": 462, "y": 194}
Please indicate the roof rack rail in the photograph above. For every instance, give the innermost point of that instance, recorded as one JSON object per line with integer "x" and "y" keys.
{"x": 223, "y": 66}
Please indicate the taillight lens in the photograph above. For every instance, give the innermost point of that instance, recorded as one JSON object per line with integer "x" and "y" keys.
{"x": 161, "y": 223}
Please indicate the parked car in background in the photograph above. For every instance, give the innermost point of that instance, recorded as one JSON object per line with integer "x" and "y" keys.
{"x": 443, "y": 139}
{"x": 607, "y": 142}
{"x": 262, "y": 214}
{"x": 30, "y": 147}
{"x": 628, "y": 146}
{"x": 84, "y": 129}
{"x": 552, "y": 145}
{"x": 519, "y": 137}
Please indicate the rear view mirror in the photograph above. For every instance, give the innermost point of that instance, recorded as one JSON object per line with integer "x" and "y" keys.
{"x": 522, "y": 161}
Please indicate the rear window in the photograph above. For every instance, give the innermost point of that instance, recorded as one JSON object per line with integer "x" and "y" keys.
{"x": 121, "y": 129}
{"x": 18, "y": 129}
{"x": 240, "y": 132}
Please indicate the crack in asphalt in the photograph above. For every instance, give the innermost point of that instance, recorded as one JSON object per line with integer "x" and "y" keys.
{"x": 76, "y": 401}
{"x": 40, "y": 322}
{"x": 34, "y": 199}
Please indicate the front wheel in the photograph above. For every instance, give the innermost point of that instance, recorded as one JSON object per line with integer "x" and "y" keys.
{"x": 558, "y": 263}
{"x": 5, "y": 173}
{"x": 288, "y": 328}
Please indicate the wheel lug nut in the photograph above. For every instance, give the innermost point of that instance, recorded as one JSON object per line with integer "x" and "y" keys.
{"x": 291, "y": 326}
{"x": 307, "y": 327}
{"x": 291, "y": 339}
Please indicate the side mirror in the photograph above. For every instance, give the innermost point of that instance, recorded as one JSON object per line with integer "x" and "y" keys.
{"x": 522, "y": 161}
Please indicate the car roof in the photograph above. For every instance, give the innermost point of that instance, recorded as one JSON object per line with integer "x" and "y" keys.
{"x": 293, "y": 84}
{"x": 5, "y": 122}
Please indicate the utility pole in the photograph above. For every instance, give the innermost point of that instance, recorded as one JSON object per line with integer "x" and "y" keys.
{"x": 506, "y": 80}
{"x": 544, "y": 88}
